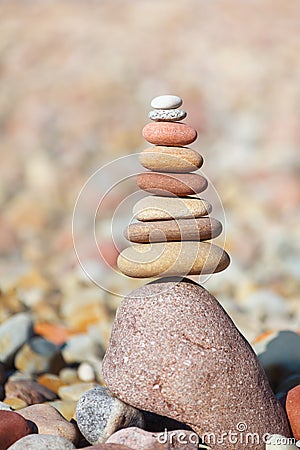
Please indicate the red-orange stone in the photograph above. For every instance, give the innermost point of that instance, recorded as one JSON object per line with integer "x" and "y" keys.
{"x": 171, "y": 184}
{"x": 169, "y": 133}
{"x": 292, "y": 406}
{"x": 12, "y": 428}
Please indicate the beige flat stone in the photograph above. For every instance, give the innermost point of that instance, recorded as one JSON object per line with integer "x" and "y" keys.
{"x": 170, "y": 159}
{"x": 172, "y": 258}
{"x": 154, "y": 207}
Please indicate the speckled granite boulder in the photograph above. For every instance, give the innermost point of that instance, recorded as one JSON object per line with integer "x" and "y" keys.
{"x": 99, "y": 415}
{"x": 174, "y": 351}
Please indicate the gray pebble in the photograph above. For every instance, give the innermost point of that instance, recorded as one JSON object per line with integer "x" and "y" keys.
{"x": 14, "y": 332}
{"x": 42, "y": 441}
{"x": 99, "y": 415}
{"x": 170, "y": 115}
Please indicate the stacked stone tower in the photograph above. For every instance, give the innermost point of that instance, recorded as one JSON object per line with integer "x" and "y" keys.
{"x": 173, "y": 224}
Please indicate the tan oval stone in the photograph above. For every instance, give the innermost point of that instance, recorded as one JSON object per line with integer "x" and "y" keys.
{"x": 166, "y": 184}
{"x": 174, "y": 230}
{"x": 172, "y": 258}
{"x": 170, "y": 159}
{"x": 154, "y": 207}
{"x": 169, "y": 133}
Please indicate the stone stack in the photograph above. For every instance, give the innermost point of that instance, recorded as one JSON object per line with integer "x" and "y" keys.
{"x": 173, "y": 223}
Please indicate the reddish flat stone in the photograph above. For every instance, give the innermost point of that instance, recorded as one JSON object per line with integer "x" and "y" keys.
{"x": 292, "y": 406}
{"x": 12, "y": 428}
{"x": 170, "y": 184}
{"x": 169, "y": 133}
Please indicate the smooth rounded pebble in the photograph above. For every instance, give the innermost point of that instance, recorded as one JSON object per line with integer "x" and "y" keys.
{"x": 169, "y": 133}
{"x": 172, "y": 258}
{"x": 278, "y": 442}
{"x": 292, "y": 406}
{"x": 10, "y": 342}
{"x": 199, "y": 229}
{"x": 168, "y": 184}
{"x": 108, "y": 447}
{"x": 138, "y": 439}
{"x": 166, "y": 102}
{"x": 169, "y": 115}
{"x": 154, "y": 207}
{"x": 42, "y": 442}
{"x": 38, "y": 355}
{"x": 12, "y": 428}
{"x": 29, "y": 391}
{"x": 99, "y": 414}
{"x": 170, "y": 159}
{"x": 49, "y": 421}
{"x": 184, "y": 358}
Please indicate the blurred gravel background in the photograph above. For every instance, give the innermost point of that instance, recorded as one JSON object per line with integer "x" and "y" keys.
{"x": 76, "y": 82}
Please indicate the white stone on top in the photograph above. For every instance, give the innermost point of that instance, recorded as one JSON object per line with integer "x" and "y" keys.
{"x": 166, "y": 102}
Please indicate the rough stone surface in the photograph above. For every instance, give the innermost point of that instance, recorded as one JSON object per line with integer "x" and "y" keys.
{"x": 169, "y": 133}
{"x": 10, "y": 342}
{"x": 170, "y": 159}
{"x": 174, "y": 230}
{"x": 169, "y": 115}
{"x": 12, "y": 428}
{"x": 49, "y": 421}
{"x": 166, "y": 102}
{"x": 154, "y": 207}
{"x": 138, "y": 439}
{"x": 42, "y": 442}
{"x": 171, "y": 183}
{"x": 172, "y": 258}
{"x": 292, "y": 406}
{"x": 99, "y": 415}
{"x": 185, "y": 359}
{"x": 30, "y": 392}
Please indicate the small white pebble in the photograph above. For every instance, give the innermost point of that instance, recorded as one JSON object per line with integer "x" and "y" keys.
{"x": 86, "y": 372}
{"x": 166, "y": 102}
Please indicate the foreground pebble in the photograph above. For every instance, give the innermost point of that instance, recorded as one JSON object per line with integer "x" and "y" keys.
{"x": 293, "y": 410}
{"x": 169, "y": 133}
{"x": 166, "y": 102}
{"x": 11, "y": 342}
{"x": 164, "y": 208}
{"x": 49, "y": 421}
{"x": 168, "y": 184}
{"x": 176, "y": 362}
{"x": 99, "y": 415}
{"x": 172, "y": 258}
{"x": 29, "y": 391}
{"x": 12, "y": 428}
{"x": 174, "y": 230}
{"x": 170, "y": 159}
{"x": 41, "y": 442}
{"x": 138, "y": 439}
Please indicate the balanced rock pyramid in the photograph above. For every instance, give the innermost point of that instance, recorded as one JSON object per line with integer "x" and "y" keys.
{"x": 174, "y": 351}
{"x": 172, "y": 223}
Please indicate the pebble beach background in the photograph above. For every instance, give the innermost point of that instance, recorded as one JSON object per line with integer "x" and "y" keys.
{"x": 77, "y": 79}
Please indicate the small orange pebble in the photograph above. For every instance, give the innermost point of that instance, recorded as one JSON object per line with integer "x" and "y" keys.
{"x": 292, "y": 406}
{"x": 58, "y": 334}
{"x": 263, "y": 336}
{"x": 50, "y": 381}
